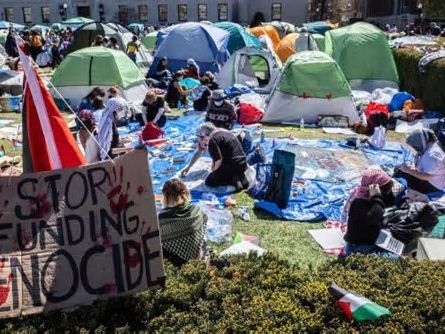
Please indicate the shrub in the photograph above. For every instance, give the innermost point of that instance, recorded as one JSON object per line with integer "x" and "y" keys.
{"x": 265, "y": 294}
{"x": 430, "y": 86}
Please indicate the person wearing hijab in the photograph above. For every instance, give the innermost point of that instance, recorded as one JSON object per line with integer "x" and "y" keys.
{"x": 108, "y": 135}
{"x": 192, "y": 70}
{"x": 364, "y": 210}
{"x": 428, "y": 173}
{"x": 182, "y": 225}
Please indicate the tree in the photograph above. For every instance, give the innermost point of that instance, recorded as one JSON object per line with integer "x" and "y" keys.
{"x": 433, "y": 8}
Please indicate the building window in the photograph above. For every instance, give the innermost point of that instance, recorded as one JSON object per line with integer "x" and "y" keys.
{"x": 143, "y": 13}
{"x": 46, "y": 17}
{"x": 9, "y": 14}
{"x": 182, "y": 13}
{"x": 27, "y": 15}
{"x": 223, "y": 12}
{"x": 162, "y": 13}
{"x": 123, "y": 13}
{"x": 202, "y": 12}
{"x": 276, "y": 11}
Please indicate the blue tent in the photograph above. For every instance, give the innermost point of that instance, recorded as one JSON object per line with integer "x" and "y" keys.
{"x": 7, "y": 25}
{"x": 318, "y": 27}
{"x": 206, "y": 44}
{"x": 239, "y": 37}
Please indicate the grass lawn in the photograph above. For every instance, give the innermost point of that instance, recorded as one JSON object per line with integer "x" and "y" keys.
{"x": 290, "y": 240}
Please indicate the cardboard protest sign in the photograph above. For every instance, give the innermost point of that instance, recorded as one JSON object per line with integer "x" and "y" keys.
{"x": 72, "y": 236}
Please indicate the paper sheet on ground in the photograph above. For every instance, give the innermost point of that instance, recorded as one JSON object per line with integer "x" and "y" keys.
{"x": 339, "y": 131}
{"x": 328, "y": 238}
{"x": 195, "y": 179}
{"x": 406, "y": 127}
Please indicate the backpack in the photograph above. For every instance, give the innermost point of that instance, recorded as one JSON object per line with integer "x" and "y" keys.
{"x": 283, "y": 168}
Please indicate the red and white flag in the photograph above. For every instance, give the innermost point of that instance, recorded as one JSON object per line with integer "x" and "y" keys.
{"x": 51, "y": 144}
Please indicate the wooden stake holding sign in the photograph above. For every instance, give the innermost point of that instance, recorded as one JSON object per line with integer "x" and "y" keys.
{"x": 69, "y": 237}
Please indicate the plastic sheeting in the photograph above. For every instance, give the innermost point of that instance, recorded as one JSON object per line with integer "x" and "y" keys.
{"x": 325, "y": 173}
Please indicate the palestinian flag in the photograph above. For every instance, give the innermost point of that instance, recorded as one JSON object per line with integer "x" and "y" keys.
{"x": 355, "y": 306}
{"x": 47, "y": 141}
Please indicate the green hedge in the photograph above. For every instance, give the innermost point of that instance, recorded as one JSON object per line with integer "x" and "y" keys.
{"x": 265, "y": 294}
{"x": 430, "y": 87}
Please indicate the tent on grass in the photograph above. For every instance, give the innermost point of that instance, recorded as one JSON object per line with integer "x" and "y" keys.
{"x": 282, "y": 27}
{"x": 319, "y": 27}
{"x": 238, "y": 36}
{"x": 136, "y": 28}
{"x": 311, "y": 84}
{"x": 253, "y": 67}
{"x": 149, "y": 40}
{"x": 76, "y": 22}
{"x": 267, "y": 30}
{"x": 320, "y": 41}
{"x": 124, "y": 36}
{"x": 7, "y": 25}
{"x": 288, "y": 46}
{"x": 85, "y": 69}
{"x": 87, "y": 33}
{"x": 364, "y": 55}
{"x": 206, "y": 44}
{"x": 11, "y": 82}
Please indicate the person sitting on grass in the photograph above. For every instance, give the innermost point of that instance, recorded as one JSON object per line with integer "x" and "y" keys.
{"x": 364, "y": 212}
{"x": 428, "y": 173}
{"x": 229, "y": 160}
{"x": 182, "y": 225}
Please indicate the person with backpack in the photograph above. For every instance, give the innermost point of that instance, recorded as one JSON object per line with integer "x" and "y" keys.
{"x": 428, "y": 173}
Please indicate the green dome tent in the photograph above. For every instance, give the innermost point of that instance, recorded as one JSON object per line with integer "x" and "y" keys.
{"x": 149, "y": 40}
{"x": 363, "y": 53}
{"x": 311, "y": 84}
{"x": 86, "y": 34}
{"x": 85, "y": 69}
{"x": 238, "y": 36}
{"x": 76, "y": 21}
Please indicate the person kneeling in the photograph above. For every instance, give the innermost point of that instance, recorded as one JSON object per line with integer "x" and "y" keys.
{"x": 229, "y": 160}
{"x": 182, "y": 225}
{"x": 364, "y": 212}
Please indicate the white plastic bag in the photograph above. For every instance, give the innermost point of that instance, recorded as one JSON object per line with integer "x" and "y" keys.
{"x": 378, "y": 139}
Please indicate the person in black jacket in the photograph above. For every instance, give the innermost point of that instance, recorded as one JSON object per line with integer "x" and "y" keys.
{"x": 364, "y": 210}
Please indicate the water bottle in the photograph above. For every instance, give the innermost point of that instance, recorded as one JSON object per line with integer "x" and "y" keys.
{"x": 263, "y": 136}
{"x": 301, "y": 123}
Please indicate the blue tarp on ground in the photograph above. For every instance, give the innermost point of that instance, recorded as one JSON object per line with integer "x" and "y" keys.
{"x": 325, "y": 173}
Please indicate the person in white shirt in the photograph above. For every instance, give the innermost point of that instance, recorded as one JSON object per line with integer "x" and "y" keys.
{"x": 428, "y": 174}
